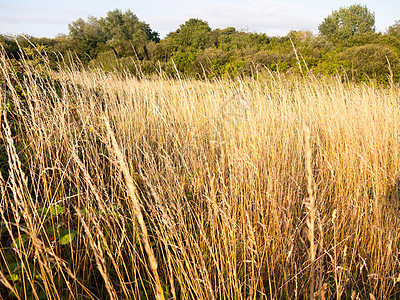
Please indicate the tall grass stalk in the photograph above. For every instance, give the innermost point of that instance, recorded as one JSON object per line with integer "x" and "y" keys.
{"x": 311, "y": 209}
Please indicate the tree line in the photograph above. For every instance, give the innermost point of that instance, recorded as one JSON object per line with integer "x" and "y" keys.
{"x": 347, "y": 44}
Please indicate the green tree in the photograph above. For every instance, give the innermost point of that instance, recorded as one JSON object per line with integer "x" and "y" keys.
{"x": 87, "y": 36}
{"x": 10, "y": 45}
{"x": 347, "y": 22}
{"x": 193, "y": 35}
{"x": 126, "y": 34}
{"x": 395, "y": 28}
{"x": 121, "y": 32}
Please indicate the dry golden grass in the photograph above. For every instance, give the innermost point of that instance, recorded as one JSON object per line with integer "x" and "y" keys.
{"x": 210, "y": 189}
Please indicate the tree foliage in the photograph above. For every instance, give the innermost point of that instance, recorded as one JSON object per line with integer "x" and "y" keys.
{"x": 347, "y": 22}
{"x": 395, "y": 28}
{"x": 88, "y": 37}
{"x": 193, "y": 35}
{"x": 347, "y": 45}
{"x": 126, "y": 34}
{"x": 119, "y": 31}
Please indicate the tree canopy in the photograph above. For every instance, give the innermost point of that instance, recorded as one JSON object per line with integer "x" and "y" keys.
{"x": 122, "y": 32}
{"x": 347, "y": 45}
{"x": 395, "y": 28}
{"x": 347, "y": 22}
{"x": 193, "y": 34}
{"x": 126, "y": 34}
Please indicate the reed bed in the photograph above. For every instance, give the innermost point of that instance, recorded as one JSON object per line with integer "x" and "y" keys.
{"x": 276, "y": 186}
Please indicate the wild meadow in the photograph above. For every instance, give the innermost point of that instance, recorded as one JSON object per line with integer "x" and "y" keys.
{"x": 272, "y": 186}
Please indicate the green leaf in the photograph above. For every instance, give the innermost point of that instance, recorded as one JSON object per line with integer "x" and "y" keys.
{"x": 42, "y": 295}
{"x": 19, "y": 241}
{"x": 67, "y": 238}
{"x": 54, "y": 211}
{"x": 3, "y": 228}
{"x": 14, "y": 267}
{"x": 53, "y": 231}
{"x": 57, "y": 210}
{"x": 12, "y": 277}
{"x": 14, "y": 271}
{"x": 82, "y": 211}
{"x": 42, "y": 211}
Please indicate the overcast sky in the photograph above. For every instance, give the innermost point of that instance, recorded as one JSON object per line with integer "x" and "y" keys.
{"x": 45, "y": 18}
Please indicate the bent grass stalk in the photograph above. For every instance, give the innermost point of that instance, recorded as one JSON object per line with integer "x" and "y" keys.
{"x": 311, "y": 209}
{"x": 120, "y": 160}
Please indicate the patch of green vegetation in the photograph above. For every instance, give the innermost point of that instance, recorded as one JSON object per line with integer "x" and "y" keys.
{"x": 121, "y": 42}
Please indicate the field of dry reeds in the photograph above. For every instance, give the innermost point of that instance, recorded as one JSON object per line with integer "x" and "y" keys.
{"x": 272, "y": 187}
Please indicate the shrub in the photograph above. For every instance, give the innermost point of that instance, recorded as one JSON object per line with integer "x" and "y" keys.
{"x": 370, "y": 61}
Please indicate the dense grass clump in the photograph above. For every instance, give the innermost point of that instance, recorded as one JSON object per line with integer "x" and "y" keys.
{"x": 276, "y": 186}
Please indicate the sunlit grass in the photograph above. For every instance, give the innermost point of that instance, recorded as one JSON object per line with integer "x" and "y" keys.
{"x": 232, "y": 208}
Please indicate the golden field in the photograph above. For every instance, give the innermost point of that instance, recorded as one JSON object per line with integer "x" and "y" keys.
{"x": 277, "y": 186}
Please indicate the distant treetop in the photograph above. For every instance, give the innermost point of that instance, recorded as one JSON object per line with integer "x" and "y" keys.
{"x": 395, "y": 28}
{"x": 194, "y": 33}
{"x": 347, "y": 22}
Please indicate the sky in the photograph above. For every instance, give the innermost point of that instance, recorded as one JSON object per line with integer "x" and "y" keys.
{"x": 48, "y": 18}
